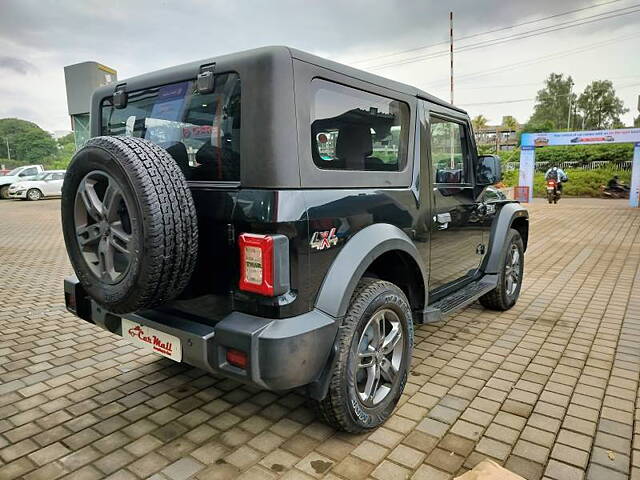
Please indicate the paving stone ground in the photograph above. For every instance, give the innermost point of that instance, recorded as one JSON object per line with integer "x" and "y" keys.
{"x": 549, "y": 388}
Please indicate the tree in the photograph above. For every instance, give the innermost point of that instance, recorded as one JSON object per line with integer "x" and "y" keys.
{"x": 27, "y": 141}
{"x": 636, "y": 121}
{"x": 67, "y": 139}
{"x": 552, "y": 102}
{"x": 509, "y": 122}
{"x": 600, "y": 106}
{"x": 479, "y": 122}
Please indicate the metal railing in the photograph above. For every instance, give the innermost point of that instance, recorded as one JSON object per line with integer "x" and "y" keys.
{"x": 544, "y": 166}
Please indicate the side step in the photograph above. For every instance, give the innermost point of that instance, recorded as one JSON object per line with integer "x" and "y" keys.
{"x": 460, "y": 298}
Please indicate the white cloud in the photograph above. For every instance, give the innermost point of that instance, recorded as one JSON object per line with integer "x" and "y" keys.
{"x": 40, "y": 37}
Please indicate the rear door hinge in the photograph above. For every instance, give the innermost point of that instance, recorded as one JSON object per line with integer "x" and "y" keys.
{"x": 120, "y": 96}
{"x": 205, "y": 80}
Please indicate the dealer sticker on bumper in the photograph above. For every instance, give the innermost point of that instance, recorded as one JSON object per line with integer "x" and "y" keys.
{"x": 160, "y": 342}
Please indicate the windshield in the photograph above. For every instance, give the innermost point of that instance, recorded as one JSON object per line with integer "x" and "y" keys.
{"x": 13, "y": 172}
{"x": 41, "y": 176}
{"x": 200, "y": 131}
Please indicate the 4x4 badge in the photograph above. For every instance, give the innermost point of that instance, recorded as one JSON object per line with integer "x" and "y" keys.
{"x": 322, "y": 240}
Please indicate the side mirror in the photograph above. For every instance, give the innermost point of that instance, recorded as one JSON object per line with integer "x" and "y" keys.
{"x": 488, "y": 170}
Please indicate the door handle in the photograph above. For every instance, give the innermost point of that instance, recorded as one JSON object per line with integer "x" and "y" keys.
{"x": 443, "y": 217}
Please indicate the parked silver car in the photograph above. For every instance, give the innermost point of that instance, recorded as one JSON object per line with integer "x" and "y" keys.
{"x": 46, "y": 184}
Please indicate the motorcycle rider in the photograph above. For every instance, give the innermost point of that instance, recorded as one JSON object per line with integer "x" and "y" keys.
{"x": 558, "y": 175}
{"x": 615, "y": 185}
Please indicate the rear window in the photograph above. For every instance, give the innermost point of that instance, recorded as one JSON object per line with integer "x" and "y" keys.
{"x": 200, "y": 131}
{"x": 356, "y": 130}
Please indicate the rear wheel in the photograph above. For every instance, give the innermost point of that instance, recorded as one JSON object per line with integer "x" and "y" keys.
{"x": 374, "y": 353}
{"x": 506, "y": 293}
{"x": 34, "y": 194}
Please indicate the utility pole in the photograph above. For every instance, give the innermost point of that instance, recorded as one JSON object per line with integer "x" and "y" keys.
{"x": 569, "y": 114}
{"x": 451, "y": 51}
{"x": 8, "y": 151}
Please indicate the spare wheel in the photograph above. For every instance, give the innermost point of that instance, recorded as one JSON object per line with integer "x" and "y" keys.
{"x": 129, "y": 223}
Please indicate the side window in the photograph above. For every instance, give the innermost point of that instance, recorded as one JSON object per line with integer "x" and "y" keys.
{"x": 57, "y": 176}
{"x": 447, "y": 151}
{"x": 356, "y": 130}
{"x": 29, "y": 172}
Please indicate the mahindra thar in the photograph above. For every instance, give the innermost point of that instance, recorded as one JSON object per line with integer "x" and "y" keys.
{"x": 284, "y": 220}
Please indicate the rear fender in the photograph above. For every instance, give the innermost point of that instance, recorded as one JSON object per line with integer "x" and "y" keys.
{"x": 354, "y": 259}
{"x": 343, "y": 277}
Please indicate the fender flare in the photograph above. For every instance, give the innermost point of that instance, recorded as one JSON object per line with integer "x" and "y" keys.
{"x": 499, "y": 229}
{"x": 356, "y": 256}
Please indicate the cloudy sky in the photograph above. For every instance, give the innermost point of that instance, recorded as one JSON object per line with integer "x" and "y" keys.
{"x": 497, "y": 73}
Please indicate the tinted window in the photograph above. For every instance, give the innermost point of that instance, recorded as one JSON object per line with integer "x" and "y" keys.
{"x": 200, "y": 131}
{"x": 356, "y": 130}
{"x": 29, "y": 172}
{"x": 447, "y": 153}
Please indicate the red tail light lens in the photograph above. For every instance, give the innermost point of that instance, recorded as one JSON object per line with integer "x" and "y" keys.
{"x": 256, "y": 263}
{"x": 237, "y": 358}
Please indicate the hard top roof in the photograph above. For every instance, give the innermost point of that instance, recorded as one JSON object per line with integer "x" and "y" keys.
{"x": 262, "y": 52}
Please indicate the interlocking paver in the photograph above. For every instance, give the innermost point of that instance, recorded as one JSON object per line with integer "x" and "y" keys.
{"x": 545, "y": 387}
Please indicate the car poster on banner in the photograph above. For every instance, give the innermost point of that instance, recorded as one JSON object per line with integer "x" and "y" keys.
{"x": 624, "y": 135}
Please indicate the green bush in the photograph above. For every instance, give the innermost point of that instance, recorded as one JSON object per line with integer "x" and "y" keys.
{"x": 582, "y": 183}
{"x": 582, "y": 154}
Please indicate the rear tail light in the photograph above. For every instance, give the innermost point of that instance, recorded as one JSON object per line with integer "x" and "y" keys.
{"x": 237, "y": 358}
{"x": 264, "y": 264}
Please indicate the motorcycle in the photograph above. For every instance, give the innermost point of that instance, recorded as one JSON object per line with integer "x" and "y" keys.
{"x": 606, "y": 192}
{"x": 553, "y": 193}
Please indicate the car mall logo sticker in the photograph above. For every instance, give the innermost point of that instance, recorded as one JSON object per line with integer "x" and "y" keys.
{"x": 155, "y": 343}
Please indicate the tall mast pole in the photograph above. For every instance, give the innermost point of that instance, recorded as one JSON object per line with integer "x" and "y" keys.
{"x": 451, "y": 51}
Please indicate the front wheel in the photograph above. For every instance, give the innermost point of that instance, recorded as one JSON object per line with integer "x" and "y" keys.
{"x": 506, "y": 293}
{"x": 374, "y": 353}
{"x": 4, "y": 192}
{"x": 34, "y": 195}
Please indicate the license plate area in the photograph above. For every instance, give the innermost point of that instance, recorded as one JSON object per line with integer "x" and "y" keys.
{"x": 152, "y": 339}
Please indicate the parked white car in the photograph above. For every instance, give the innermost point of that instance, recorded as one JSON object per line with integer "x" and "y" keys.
{"x": 26, "y": 172}
{"x": 47, "y": 184}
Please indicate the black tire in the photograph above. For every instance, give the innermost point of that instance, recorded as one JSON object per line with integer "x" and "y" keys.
{"x": 500, "y": 298}
{"x": 34, "y": 194}
{"x": 4, "y": 192}
{"x": 343, "y": 408}
{"x": 154, "y": 208}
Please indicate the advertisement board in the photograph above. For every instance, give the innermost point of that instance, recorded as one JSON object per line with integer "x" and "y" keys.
{"x": 624, "y": 135}
{"x": 527, "y": 164}
{"x": 634, "y": 193}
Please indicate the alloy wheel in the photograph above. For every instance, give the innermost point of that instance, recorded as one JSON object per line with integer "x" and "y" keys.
{"x": 512, "y": 270}
{"x": 379, "y": 357}
{"x": 103, "y": 222}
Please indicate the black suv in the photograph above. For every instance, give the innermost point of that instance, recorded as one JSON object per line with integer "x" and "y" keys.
{"x": 283, "y": 220}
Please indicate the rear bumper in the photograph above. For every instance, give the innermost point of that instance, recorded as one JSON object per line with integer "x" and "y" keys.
{"x": 282, "y": 353}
